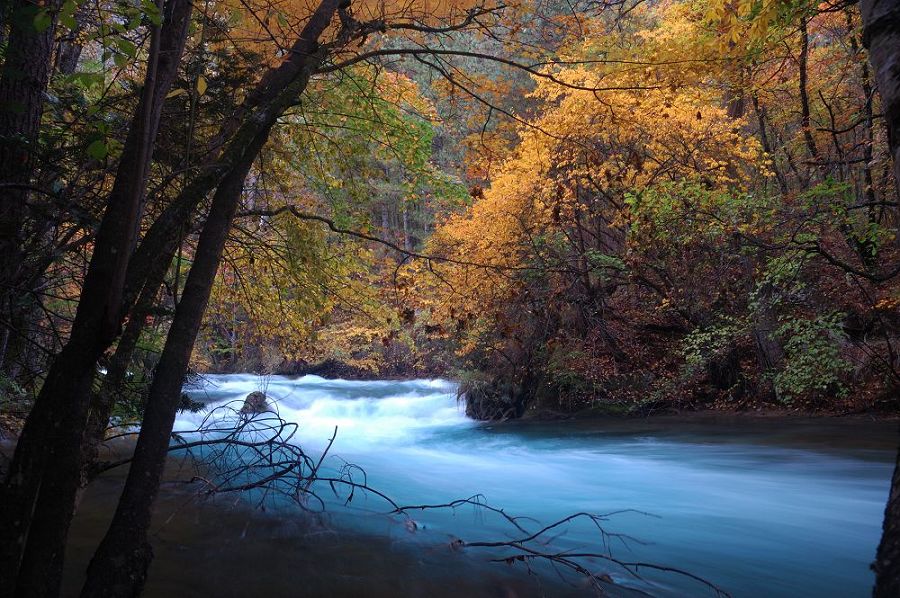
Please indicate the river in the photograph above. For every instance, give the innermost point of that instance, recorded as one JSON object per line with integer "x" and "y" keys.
{"x": 759, "y": 506}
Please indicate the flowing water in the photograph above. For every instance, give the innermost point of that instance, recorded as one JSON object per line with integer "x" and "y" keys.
{"x": 768, "y": 507}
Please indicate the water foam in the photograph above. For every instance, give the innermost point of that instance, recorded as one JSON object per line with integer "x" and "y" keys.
{"x": 365, "y": 412}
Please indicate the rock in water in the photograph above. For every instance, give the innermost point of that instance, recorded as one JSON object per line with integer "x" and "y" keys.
{"x": 255, "y": 402}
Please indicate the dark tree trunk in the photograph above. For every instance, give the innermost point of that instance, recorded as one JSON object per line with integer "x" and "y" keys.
{"x": 119, "y": 568}
{"x": 69, "y": 49}
{"x": 763, "y": 327}
{"x": 171, "y": 220}
{"x": 881, "y": 36}
{"x": 805, "y": 122}
{"x": 766, "y": 144}
{"x": 40, "y": 489}
{"x": 23, "y": 81}
{"x": 113, "y": 384}
{"x": 887, "y": 561}
{"x": 868, "y": 94}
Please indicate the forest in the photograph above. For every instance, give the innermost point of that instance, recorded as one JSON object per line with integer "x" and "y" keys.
{"x": 573, "y": 209}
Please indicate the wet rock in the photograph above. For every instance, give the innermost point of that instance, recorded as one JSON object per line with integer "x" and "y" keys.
{"x": 255, "y": 402}
{"x": 493, "y": 401}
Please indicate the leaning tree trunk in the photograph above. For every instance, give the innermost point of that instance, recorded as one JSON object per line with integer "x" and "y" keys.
{"x": 887, "y": 561}
{"x": 103, "y": 302}
{"x": 881, "y": 36}
{"x": 162, "y": 237}
{"x": 113, "y": 384}
{"x": 39, "y": 492}
{"x": 119, "y": 567}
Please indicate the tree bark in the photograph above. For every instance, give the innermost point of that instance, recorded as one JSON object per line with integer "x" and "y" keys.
{"x": 23, "y": 81}
{"x": 804, "y": 94}
{"x": 113, "y": 384}
{"x": 68, "y": 51}
{"x": 119, "y": 568}
{"x": 869, "y": 133}
{"x": 881, "y": 36}
{"x": 760, "y": 112}
{"x": 887, "y": 561}
{"x": 170, "y": 221}
{"x": 40, "y": 488}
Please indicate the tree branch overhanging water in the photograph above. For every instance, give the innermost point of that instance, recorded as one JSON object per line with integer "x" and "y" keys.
{"x": 257, "y": 455}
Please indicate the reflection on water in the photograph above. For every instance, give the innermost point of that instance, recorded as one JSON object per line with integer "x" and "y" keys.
{"x": 762, "y": 508}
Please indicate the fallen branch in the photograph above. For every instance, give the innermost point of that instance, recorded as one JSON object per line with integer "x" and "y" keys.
{"x": 243, "y": 453}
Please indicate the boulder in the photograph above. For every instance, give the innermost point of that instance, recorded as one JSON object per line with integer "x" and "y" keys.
{"x": 255, "y": 402}
{"x": 493, "y": 401}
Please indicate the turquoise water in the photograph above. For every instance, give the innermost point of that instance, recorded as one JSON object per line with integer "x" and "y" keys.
{"x": 760, "y": 508}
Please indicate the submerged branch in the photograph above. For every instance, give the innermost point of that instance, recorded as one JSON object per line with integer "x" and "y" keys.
{"x": 246, "y": 453}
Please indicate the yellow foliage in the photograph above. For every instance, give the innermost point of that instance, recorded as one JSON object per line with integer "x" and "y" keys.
{"x": 572, "y": 171}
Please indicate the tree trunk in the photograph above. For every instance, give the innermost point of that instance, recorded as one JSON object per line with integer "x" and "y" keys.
{"x": 887, "y": 561}
{"x": 804, "y": 94}
{"x": 113, "y": 384}
{"x": 881, "y": 36}
{"x": 68, "y": 51}
{"x": 40, "y": 489}
{"x": 407, "y": 244}
{"x": 23, "y": 81}
{"x": 119, "y": 568}
{"x": 763, "y": 326}
{"x": 171, "y": 220}
{"x": 766, "y": 144}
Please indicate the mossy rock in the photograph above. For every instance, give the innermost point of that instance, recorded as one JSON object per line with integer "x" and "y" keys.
{"x": 256, "y": 402}
{"x": 493, "y": 400}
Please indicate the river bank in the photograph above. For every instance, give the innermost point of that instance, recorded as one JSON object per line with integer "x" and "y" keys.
{"x": 708, "y": 415}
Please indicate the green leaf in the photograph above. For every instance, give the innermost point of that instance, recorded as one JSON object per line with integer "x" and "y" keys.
{"x": 67, "y": 14}
{"x": 97, "y": 149}
{"x": 127, "y": 47}
{"x": 152, "y": 11}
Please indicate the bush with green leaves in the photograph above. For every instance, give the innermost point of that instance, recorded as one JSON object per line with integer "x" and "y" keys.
{"x": 813, "y": 362}
{"x": 704, "y": 344}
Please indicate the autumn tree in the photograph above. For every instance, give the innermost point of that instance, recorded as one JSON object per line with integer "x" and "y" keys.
{"x": 44, "y": 476}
